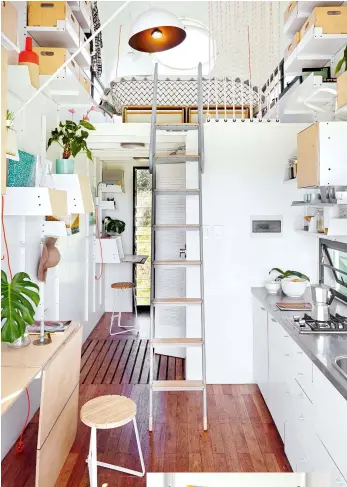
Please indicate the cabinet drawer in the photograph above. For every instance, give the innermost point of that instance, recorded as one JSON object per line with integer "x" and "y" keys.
{"x": 330, "y": 419}
{"x": 324, "y": 463}
{"x": 303, "y": 368}
{"x": 59, "y": 379}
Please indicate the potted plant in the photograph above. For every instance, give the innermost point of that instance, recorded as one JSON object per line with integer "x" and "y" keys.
{"x": 293, "y": 283}
{"x": 19, "y": 299}
{"x": 72, "y": 137}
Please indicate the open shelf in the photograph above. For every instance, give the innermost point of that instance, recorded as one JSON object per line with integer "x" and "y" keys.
{"x": 79, "y": 196}
{"x": 67, "y": 89}
{"x": 312, "y": 95}
{"x": 64, "y": 35}
{"x": 318, "y": 204}
{"x": 321, "y": 235}
{"x": 83, "y": 58}
{"x": 82, "y": 14}
{"x": 35, "y": 201}
{"x": 55, "y": 229}
{"x": 315, "y": 49}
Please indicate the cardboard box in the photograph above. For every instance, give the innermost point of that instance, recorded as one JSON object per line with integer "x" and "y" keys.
{"x": 9, "y": 21}
{"x": 47, "y": 14}
{"x": 289, "y": 10}
{"x": 342, "y": 90}
{"x": 293, "y": 43}
{"x": 84, "y": 80}
{"x": 332, "y": 20}
{"x": 51, "y": 58}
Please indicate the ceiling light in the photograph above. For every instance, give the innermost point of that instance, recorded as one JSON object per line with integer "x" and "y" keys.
{"x": 157, "y": 34}
{"x": 156, "y": 30}
{"x": 132, "y": 145}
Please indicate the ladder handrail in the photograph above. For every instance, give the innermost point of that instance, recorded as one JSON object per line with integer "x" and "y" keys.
{"x": 200, "y": 119}
{"x": 153, "y": 119}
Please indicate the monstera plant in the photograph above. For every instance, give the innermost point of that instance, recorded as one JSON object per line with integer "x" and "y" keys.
{"x": 19, "y": 298}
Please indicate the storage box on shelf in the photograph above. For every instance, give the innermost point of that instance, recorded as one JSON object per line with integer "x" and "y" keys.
{"x": 53, "y": 24}
{"x": 297, "y": 13}
{"x": 332, "y": 20}
{"x": 342, "y": 91}
{"x": 292, "y": 45}
{"x": 320, "y": 149}
{"x": 35, "y": 201}
{"x": 82, "y": 11}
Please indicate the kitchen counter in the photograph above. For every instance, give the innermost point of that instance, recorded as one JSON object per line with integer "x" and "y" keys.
{"x": 321, "y": 349}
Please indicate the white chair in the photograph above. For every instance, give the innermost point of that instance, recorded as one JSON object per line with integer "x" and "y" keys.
{"x": 120, "y": 287}
{"x": 106, "y": 412}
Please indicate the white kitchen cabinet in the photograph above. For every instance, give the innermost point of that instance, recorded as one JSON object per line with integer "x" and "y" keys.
{"x": 260, "y": 349}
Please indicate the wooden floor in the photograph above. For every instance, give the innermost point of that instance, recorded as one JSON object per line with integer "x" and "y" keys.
{"x": 241, "y": 436}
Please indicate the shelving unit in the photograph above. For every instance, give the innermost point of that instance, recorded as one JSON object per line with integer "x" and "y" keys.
{"x": 81, "y": 13}
{"x": 299, "y": 15}
{"x": 64, "y": 35}
{"x": 312, "y": 95}
{"x": 35, "y": 201}
{"x": 67, "y": 90}
{"x": 315, "y": 49}
{"x": 79, "y": 196}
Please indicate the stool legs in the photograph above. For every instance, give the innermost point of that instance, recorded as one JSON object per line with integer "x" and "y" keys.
{"x": 93, "y": 463}
{"x": 127, "y": 327}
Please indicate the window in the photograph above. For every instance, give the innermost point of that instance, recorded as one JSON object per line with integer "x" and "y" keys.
{"x": 184, "y": 59}
{"x": 333, "y": 267}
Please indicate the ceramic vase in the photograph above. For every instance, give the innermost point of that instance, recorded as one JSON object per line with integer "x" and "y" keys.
{"x": 64, "y": 166}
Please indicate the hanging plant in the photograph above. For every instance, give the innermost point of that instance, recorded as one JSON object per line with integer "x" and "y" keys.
{"x": 19, "y": 299}
{"x": 72, "y": 138}
{"x": 342, "y": 62}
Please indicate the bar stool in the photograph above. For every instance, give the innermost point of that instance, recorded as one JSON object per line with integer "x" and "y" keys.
{"x": 106, "y": 412}
{"x": 120, "y": 287}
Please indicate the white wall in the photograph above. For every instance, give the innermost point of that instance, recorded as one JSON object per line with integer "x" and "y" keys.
{"x": 244, "y": 167}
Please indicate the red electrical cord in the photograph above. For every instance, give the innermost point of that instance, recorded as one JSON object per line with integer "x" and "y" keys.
{"x": 97, "y": 278}
{"x": 20, "y": 443}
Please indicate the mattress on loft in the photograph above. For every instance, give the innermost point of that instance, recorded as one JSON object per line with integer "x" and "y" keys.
{"x": 182, "y": 91}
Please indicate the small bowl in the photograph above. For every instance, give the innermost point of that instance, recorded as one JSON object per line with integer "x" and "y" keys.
{"x": 294, "y": 289}
{"x": 272, "y": 287}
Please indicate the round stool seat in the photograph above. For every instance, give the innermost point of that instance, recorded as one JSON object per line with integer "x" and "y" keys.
{"x": 106, "y": 412}
{"x": 122, "y": 285}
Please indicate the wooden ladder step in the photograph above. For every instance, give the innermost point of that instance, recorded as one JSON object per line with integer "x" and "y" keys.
{"x": 176, "y": 301}
{"x": 177, "y": 127}
{"x": 177, "y": 342}
{"x": 178, "y": 385}
{"x": 177, "y": 262}
{"x": 175, "y": 158}
{"x": 177, "y": 191}
{"x": 174, "y": 226}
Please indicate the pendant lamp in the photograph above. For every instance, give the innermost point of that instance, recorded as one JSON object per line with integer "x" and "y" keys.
{"x": 156, "y": 30}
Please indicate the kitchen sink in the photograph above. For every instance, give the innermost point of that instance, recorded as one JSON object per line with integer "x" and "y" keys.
{"x": 341, "y": 364}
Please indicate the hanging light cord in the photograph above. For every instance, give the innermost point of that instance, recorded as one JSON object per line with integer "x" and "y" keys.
{"x": 97, "y": 278}
{"x": 20, "y": 443}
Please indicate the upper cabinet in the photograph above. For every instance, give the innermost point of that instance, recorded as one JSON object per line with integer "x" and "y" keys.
{"x": 321, "y": 155}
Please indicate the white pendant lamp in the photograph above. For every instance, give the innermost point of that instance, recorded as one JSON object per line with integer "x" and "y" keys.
{"x": 156, "y": 30}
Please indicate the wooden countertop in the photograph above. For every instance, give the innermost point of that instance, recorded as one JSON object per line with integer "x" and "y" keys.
{"x": 19, "y": 367}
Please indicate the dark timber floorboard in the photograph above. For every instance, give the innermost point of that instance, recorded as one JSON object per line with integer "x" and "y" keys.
{"x": 241, "y": 436}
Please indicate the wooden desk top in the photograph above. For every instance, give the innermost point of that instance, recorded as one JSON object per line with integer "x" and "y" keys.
{"x": 35, "y": 355}
{"x": 20, "y": 366}
{"x": 14, "y": 380}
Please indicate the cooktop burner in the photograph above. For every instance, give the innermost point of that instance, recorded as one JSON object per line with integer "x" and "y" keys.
{"x": 307, "y": 325}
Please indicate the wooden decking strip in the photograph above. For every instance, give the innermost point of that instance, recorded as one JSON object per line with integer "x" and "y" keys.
{"x": 125, "y": 361}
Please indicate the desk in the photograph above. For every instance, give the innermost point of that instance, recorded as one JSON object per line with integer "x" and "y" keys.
{"x": 59, "y": 365}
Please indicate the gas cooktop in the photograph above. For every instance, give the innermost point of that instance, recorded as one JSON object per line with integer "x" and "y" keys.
{"x": 307, "y": 325}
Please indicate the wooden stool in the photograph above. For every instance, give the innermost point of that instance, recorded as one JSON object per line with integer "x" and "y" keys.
{"x": 106, "y": 412}
{"x": 120, "y": 287}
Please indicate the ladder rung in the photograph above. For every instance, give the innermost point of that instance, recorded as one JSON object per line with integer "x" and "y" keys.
{"x": 178, "y": 385}
{"x": 177, "y": 127}
{"x": 177, "y": 191}
{"x": 178, "y": 301}
{"x": 175, "y": 158}
{"x": 173, "y": 226}
{"x": 177, "y": 262}
{"x": 177, "y": 342}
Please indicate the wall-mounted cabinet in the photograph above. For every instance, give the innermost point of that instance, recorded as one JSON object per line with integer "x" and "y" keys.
{"x": 79, "y": 195}
{"x": 112, "y": 250}
{"x": 320, "y": 152}
{"x": 35, "y": 202}
{"x": 342, "y": 91}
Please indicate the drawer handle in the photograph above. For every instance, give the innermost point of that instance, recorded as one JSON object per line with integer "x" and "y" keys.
{"x": 263, "y": 309}
{"x": 302, "y": 417}
{"x": 303, "y": 460}
{"x": 273, "y": 319}
{"x": 340, "y": 481}
{"x": 287, "y": 354}
{"x": 301, "y": 374}
{"x": 302, "y": 395}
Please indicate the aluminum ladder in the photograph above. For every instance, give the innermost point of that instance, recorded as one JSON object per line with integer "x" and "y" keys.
{"x": 154, "y": 159}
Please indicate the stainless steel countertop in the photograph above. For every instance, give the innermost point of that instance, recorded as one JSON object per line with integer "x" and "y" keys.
{"x": 321, "y": 349}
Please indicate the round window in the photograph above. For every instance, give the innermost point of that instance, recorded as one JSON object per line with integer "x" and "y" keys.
{"x": 193, "y": 50}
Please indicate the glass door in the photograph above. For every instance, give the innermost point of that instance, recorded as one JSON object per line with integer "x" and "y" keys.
{"x": 142, "y": 232}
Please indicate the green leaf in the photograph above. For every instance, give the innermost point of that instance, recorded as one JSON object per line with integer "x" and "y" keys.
{"x": 89, "y": 154}
{"x": 17, "y": 311}
{"x": 277, "y": 270}
{"x": 87, "y": 125}
{"x": 75, "y": 148}
{"x": 297, "y": 274}
{"x": 339, "y": 65}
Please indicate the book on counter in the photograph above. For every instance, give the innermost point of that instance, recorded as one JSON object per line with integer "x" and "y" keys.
{"x": 50, "y": 326}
